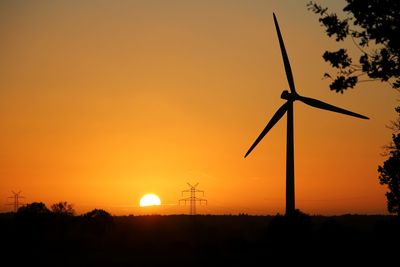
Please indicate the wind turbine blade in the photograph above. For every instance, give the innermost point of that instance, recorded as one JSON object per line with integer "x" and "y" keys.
{"x": 322, "y": 105}
{"x": 285, "y": 57}
{"x": 277, "y": 116}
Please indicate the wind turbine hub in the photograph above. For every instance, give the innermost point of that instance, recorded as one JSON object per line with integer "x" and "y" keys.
{"x": 288, "y": 96}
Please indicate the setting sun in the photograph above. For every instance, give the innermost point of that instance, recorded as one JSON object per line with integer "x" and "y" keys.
{"x": 150, "y": 200}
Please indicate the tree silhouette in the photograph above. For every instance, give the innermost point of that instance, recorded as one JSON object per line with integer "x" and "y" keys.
{"x": 63, "y": 209}
{"x": 390, "y": 171}
{"x": 34, "y": 208}
{"x": 373, "y": 26}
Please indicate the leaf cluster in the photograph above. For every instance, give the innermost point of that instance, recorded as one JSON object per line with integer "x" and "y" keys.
{"x": 373, "y": 26}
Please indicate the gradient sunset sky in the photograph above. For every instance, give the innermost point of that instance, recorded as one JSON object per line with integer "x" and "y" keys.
{"x": 102, "y": 102}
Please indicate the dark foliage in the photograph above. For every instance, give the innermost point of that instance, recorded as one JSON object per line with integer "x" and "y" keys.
{"x": 373, "y": 25}
{"x": 97, "y": 221}
{"x": 32, "y": 211}
{"x": 390, "y": 171}
{"x": 294, "y": 226}
{"x": 198, "y": 240}
{"x": 289, "y": 232}
{"x": 63, "y": 209}
{"x": 98, "y": 214}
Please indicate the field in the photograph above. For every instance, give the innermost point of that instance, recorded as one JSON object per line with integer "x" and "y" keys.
{"x": 180, "y": 240}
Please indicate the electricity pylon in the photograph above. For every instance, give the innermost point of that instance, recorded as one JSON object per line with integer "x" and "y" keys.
{"x": 193, "y": 199}
{"x": 16, "y": 203}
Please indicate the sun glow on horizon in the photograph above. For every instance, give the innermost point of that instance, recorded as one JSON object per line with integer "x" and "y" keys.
{"x": 150, "y": 200}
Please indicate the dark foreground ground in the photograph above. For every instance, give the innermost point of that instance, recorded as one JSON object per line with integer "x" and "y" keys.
{"x": 199, "y": 241}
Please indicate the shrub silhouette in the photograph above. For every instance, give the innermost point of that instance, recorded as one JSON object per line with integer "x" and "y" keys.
{"x": 98, "y": 214}
{"x": 97, "y": 221}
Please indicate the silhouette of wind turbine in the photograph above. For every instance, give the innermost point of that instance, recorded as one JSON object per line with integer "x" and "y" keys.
{"x": 290, "y": 97}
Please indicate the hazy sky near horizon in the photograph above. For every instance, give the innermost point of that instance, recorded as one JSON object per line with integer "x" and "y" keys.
{"x": 102, "y": 102}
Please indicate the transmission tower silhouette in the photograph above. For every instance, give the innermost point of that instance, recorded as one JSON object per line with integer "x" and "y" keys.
{"x": 16, "y": 203}
{"x": 193, "y": 199}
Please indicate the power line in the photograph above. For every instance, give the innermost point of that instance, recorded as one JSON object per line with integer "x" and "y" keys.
{"x": 192, "y": 198}
{"x": 16, "y": 203}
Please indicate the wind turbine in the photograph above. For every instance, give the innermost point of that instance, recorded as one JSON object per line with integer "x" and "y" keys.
{"x": 290, "y": 97}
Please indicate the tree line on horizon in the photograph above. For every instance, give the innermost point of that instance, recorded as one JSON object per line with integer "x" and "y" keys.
{"x": 64, "y": 209}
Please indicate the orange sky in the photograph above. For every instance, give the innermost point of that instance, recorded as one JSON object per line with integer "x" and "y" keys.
{"x": 104, "y": 101}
